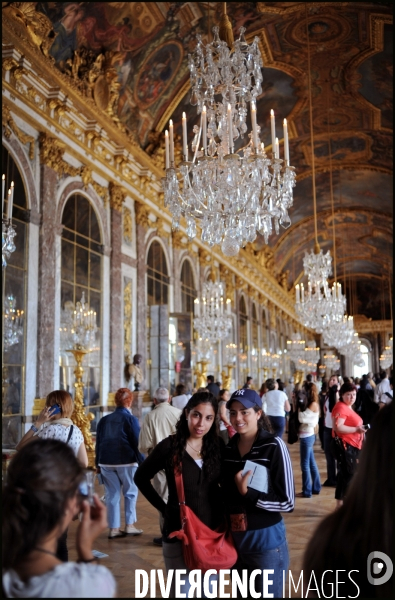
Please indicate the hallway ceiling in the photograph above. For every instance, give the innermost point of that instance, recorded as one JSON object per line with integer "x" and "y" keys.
{"x": 351, "y": 70}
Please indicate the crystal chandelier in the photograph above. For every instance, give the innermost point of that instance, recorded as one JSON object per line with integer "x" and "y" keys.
{"x": 295, "y": 347}
{"x": 8, "y": 230}
{"x": 386, "y": 358}
{"x": 78, "y": 326}
{"x": 340, "y": 333}
{"x": 312, "y": 354}
{"x": 331, "y": 361}
{"x": 233, "y": 194}
{"x": 12, "y": 323}
{"x": 212, "y": 321}
{"x": 230, "y": 354}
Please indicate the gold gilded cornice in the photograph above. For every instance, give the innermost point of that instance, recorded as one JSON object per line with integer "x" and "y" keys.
{"x": 38, "y": 28}
{"x": 87, "y": 179}
{"x": 51, "y": 155}
{"x": 9, "y": 127}
{"x": 142, "y": 214}
{"x": 117, "y": 196}
{"x": 178, "y": 240}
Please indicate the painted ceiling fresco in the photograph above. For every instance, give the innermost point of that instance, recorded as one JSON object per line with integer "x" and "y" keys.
{"x": 351, "y": 69}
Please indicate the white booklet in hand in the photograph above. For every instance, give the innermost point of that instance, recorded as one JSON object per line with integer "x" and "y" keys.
{"x": 258, "y": 479}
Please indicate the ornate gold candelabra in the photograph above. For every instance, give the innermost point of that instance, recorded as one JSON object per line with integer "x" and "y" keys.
{"x": 227, "y": 377}
{"x": 201, "y": 376}
{"x": 79, "y": 416}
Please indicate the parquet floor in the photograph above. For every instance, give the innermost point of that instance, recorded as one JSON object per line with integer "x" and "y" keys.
{"x": 130, "y": 553}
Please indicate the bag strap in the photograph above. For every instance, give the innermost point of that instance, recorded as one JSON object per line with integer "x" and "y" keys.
{"x": 179, "y": 484}
{"x": 70, "y": 434}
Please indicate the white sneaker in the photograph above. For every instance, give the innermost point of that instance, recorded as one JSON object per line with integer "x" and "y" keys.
{"x": 132, "y": 530}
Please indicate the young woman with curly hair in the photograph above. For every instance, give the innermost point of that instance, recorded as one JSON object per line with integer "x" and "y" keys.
{"x": 196, "y": 448}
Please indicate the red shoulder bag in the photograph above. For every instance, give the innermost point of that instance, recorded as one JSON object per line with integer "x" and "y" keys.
{"x": 203, "y": 548}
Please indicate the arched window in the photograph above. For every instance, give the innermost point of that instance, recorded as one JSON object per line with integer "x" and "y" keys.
{"x": 14, "y": 305}
{"x": 188, "y": 291}
{"x": 157, "y": 275}
{"x": 358, "y": 370}
{"x": 81, "y": 273}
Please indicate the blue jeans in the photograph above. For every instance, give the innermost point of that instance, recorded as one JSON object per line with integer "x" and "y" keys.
{"x": 311, "y": 483}
{"x": 330, "y": 460}
{"x": 278, "y": 424}
{"x": 117, "y": 479}
{"x": 253, "y": 555}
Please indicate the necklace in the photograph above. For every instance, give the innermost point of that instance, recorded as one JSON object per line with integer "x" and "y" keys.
{"x": 45, "y": 551}
{"x": 198, "y": 452}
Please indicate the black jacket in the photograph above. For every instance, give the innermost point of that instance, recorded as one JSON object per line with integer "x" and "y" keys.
{"x": 262, "y": 509}
{"x": 202, "y": 495}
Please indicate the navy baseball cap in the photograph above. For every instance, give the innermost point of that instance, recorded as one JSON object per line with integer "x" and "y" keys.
{"x": 248, "y": 398}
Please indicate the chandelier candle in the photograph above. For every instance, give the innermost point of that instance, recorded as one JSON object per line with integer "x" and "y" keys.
{"x": 10, "y": 201}
{"x": 254, "y": 126}
{"x": 277, "y": 150}
{"x": 286, "y": 145}
{"x": 171, "y": 144}
{"x": 2, "y": 193}
{"x": 273, "y": 128}
{"x": 167, "y": 149}
{"x": 184, "y": 137}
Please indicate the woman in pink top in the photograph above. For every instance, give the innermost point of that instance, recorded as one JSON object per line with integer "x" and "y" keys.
{"x": 348, "y": 426}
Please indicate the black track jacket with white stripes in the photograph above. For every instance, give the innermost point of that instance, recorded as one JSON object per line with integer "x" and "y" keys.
{"x": 262, "y": 509}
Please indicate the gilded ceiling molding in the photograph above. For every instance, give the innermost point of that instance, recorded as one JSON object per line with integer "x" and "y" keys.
{"x": 9, "y": 126}
{"x": 117, "y": 196}
{"x": 37, "y": 26}
{"x": 160, "y": 229}
{"x": 142, "y": 214}
{"x": 51, "y": 155}
{"x": 87, "y": 179}
{"x": 364, "y": 325}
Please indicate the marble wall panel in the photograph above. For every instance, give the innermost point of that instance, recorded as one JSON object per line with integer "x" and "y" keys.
{"x": 116, "y": 305}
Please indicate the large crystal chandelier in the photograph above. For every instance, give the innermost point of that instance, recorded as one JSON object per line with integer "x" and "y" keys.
{"x": 12, "y": 322}
{"x": 233, "y": 194}
{"x": 321, "y": 307}
{"x": 213, "y": 321}
{"x": 8, "y": 230}
{"x": 331, "y": 361}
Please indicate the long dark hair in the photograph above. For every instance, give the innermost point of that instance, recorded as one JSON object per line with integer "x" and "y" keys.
{"x": 306, "y": 399}
{"x": 41, "y": 478}
{"x": 263, "y": 421}
{"x": 211, "y": 444}
{"x": 341, "y": 540}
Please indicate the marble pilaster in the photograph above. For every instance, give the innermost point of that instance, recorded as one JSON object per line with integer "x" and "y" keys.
{"x": 141, "y": 316}
{"x": 116, "y": 317}
{"x": 48, "y": 365}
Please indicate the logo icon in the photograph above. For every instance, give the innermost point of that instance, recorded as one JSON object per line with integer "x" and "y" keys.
{"x": 380, "y": 568}
{"x": 239, "y": 393}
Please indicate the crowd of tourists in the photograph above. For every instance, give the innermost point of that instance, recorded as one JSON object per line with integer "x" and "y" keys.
{"x": 222, "y": 459}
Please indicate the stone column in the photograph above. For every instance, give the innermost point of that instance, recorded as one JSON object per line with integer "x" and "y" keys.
{"x": 142, "y": 224}
{"x": 49, "y": 281}
{"x": 117, "y": 197}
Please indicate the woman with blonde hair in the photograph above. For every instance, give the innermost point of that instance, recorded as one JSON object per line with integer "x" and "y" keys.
{"x": 117, "y": 459}
{"x": 54, "y": 423}
{"x": 308, "y": 415}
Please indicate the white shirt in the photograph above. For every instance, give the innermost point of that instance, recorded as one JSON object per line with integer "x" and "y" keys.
{"x": 308, "y": 419}
{"x": 273, "y": 403}
{"x": 180, "y": 401}
{"x": 68, "y": 580}
{"x": 380, "y": 389}
{"x": 328, "y": 415}
{"x": 51, "y": 430}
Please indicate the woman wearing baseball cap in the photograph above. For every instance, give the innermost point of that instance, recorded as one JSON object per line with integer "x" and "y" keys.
{"x": 255, "y": 505}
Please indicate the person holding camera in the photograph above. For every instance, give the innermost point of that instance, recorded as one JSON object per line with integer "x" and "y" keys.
{"x": 40, "y": 498}
{"x": 54, "y": 423}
